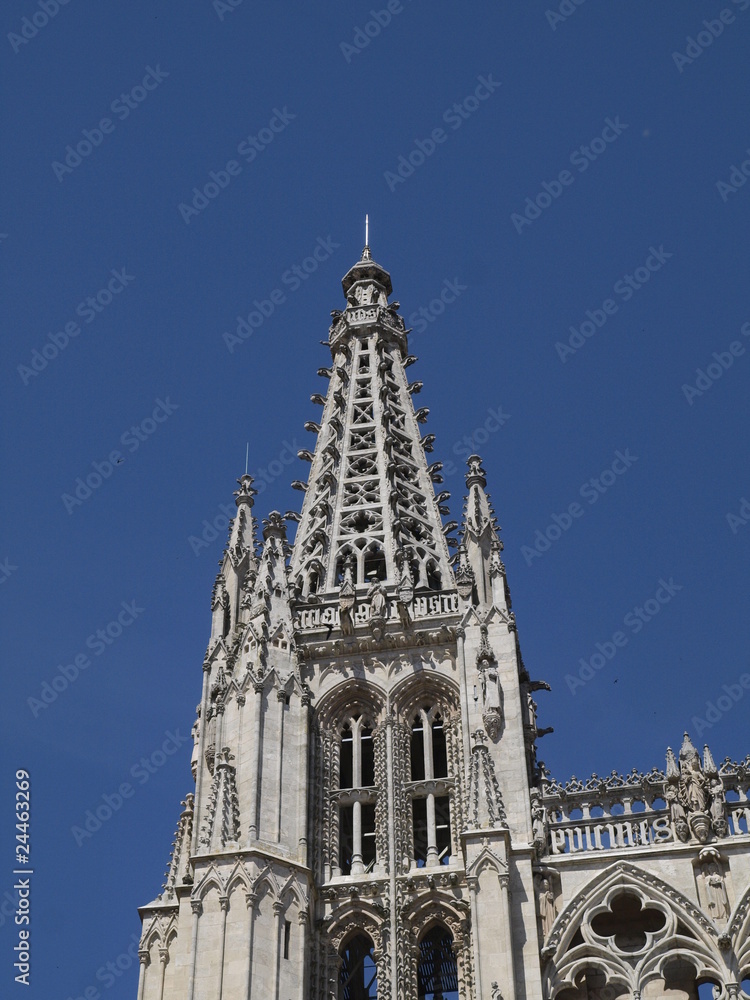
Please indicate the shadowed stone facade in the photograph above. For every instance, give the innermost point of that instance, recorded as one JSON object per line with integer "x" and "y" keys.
{"x": 369, "y": 817}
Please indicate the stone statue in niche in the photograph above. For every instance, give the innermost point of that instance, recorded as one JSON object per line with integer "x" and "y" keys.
{"x": 531, "y": 705}
{"x": 491, "y": 690}
{"x": 538, "y": 825}
{"x": 693, "y": 784}
{"x": 346, "y": 599}
{"x": 714, "y": 885}
{"x": 689, "y": 780}
{"x": 492, "y": 713}
{"x": 196, "y": 735}
{"x": 677, "y": 813}
{"x": 377, "y": 599}
{"x": 547, "y": 906}
{"x": 718, "y": 819}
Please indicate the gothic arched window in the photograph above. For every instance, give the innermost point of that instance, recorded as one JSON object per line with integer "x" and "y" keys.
{"x": 430, "y": 789}
{"x": 434, "y": 581}
{"x": 437, "y": 972}
{"x": 356, "y": 797}
{"x": 227, "y": 617}
{"x": 358, "y": 977}
{"x": 374, "y": 566}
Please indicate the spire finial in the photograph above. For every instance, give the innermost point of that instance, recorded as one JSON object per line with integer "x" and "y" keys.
{"x": 367, "y": 230}
{"x": 247, "y": 455}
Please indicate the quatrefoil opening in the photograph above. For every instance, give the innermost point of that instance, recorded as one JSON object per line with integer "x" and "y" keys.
{"x": 628, "y": 922}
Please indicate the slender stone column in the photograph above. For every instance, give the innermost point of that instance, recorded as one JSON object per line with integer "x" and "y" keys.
{"x": 219, "y": 730}
{"x": 163, "y": 959}
{"x": 357, "y": 864}
{"x": 201, "y": 760}
{"x": 143, "y": 961}
{"x": 302, "y": 952}
{"x": 241, "y": 713}
{"x": 505, "y": 894}
{"x": 281, "y": 696}
{"x": 251, "y": 899}
{"x": 252, "y": 831}
{"x": 432, "y": 852}
{"x": 461, "y": 649}
{"x": 473, "y": 883}
{"x": 303, "y": 778}
{"x": 196, "y": 906}
{"x": 224, "y": 904}
{"x": 278, "y": 909}
{"x": 429, "y": 770}
{"x": 389, "y": 722}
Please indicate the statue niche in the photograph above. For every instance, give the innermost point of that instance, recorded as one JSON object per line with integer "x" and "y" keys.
{"x": 492, "y": 692}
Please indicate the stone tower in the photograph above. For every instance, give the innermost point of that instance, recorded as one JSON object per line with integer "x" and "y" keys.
{"x": 369, "y": 817}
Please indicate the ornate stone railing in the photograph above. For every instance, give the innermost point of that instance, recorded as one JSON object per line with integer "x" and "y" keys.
{"x": 329, "y": 615}
{"x": 629, "y": 811}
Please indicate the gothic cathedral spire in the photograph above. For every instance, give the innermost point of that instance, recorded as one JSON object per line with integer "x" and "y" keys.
{"x": 369, "y": 499}
{"x": 364, "y": 747}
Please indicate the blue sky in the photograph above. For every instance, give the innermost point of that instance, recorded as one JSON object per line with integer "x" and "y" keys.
{"x": 551, "y": 168}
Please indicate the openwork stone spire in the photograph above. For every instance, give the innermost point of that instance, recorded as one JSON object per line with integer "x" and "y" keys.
{"x": 480, "y": 573}
{"x": 370, "y": 499}
{"x": 222, "y": 823}
{"x": 179, "y": 862}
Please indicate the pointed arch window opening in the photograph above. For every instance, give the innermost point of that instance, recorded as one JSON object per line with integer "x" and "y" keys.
{"x": 227, "y": 618}
{"x": 345, "y": 552}
{"x": 357, "y": 798}
{"x": 431, "y": 818}
{"x": 437, "y": 971}
{"x": 374, "y": 563}
{"x": 358, "y": 976}
{"x": 439, "y": 749}
{"x": 363, "y": 365}
{"x": 434, "y": 580}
